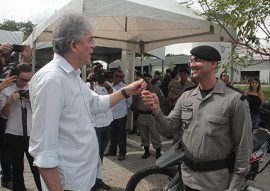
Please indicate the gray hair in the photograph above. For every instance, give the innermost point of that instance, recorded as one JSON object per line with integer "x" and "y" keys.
{"x": 70, "y": 27}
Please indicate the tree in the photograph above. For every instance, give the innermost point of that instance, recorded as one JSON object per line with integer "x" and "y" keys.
{"x": 250, "y": 18}
{"x": 11, "y": 25}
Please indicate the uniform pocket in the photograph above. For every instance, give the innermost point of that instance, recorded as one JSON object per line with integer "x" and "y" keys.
{"x": 215, "y": 125}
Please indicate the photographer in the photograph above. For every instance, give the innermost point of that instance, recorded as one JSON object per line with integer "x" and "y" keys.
{"x": 101, "y": 120}
{"x": 7, "y": 81}
{"x": 15, "y": 107}
{"x": 7, "y": 49}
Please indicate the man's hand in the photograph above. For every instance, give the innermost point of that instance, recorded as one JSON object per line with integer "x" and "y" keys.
{"x": 7, "y": 81}
{"x": 26, "y": 54}
{"x": 25, "y": 100}
{"x": 13, "y": 98}
{"x": 6, "y": 48}
{"x": 135, "y": 87}
{"x": 151, "y": 100}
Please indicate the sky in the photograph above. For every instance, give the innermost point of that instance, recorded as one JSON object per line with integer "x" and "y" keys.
{"x": 35, "y": 11}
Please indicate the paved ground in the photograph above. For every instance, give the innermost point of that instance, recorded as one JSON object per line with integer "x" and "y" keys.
{"x": 117, "y": 173}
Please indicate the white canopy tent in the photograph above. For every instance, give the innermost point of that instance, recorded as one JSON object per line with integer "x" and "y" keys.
{"x": 139, "y": 25}
{"x": 12, "y": 37}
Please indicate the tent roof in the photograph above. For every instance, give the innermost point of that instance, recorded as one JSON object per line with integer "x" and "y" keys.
{"x": 12, "y": 37}
{"x": 139, "y": 25}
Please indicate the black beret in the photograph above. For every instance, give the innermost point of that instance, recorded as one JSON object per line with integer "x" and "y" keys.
{"x": 174, "y": 73}
{"x": 184, "y": 70}
{"x": 146, "y": 75}
{"x": 206, "y": 53}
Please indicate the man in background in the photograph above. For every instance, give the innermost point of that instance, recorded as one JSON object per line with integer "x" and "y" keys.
{"x": 118, "y": 136}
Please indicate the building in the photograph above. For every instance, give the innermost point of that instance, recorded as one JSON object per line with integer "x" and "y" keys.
{"x": 260, "y": 68}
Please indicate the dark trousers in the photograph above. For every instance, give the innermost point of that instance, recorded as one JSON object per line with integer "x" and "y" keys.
{"x": 5, "y": 161}
{"x": 17, "y": 146}
{"x": 103, "y": 135}
{"x": 118, "y": 136}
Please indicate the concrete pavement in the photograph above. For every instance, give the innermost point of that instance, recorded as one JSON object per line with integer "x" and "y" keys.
{"x": 117, "y": 173}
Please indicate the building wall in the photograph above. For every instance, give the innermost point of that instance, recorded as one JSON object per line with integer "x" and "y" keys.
{"x": 153, "y": 64}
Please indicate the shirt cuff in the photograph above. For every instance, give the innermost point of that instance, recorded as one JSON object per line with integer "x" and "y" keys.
{"x": 46, "y": 160}
{"x": 104, "y": 102}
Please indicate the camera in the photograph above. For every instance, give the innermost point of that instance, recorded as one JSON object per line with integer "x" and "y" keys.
{"x": 17, "y": 48}
{"x": 24, "y": 93}
{"x": 99, "y": 75}
{"x": 14, "y": 71}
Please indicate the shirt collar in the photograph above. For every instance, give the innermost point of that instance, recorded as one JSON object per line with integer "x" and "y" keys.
{"x": 64, "y": 65}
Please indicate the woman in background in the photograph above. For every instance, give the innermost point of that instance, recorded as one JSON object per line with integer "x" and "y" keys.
{"x": 255, "y": 98}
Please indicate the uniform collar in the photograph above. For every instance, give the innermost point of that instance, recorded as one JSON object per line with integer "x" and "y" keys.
{"x": 218, "y": 88}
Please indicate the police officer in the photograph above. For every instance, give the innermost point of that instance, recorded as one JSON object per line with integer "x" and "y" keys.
{"x": 145, "y": 121}
{"x": 217, "y": 127}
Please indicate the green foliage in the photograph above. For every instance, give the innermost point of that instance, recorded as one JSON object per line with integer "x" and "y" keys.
{"x": 246, "y": 16}
{"x": 265, "y": 90}
{"x": 11, "y": 25}
{"x": 171, "y": 65}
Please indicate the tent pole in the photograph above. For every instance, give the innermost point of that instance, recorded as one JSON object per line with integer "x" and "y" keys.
{"x": 34, "y": 57}
{"x": 142, "y": 55}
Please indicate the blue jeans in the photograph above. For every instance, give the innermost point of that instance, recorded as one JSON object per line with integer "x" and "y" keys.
{"x": 256, "y": 120}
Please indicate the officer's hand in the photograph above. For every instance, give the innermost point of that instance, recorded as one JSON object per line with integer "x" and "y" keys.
{"x": 151, "y": 100}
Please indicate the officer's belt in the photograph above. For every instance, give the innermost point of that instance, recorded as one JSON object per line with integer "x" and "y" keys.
{"x": 210, "y": 165}
{"x": 144, "y": 112}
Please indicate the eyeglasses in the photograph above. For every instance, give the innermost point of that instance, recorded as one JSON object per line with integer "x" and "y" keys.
{"x": 118, "y": 76}
{"x": 92, "y": 40}
{"x": 24, "y": 80}
{"x": 195, "y": 60}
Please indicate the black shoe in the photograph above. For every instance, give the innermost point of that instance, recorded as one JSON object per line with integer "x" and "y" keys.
{"x": 121, "y": 157}
{"x": 110, "y": 154}
{"x": 104, "y": 186}
{"x": 145, "y": 156}
{"x": 7, "y": 185}
{"x": 158, "y": 153}
{"x": 132, "y": 131}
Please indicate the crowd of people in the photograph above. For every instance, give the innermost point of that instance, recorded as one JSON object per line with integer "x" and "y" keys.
{"x": 54, "y": 116}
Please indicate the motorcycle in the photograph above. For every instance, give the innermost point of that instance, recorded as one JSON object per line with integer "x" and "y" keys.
{"x": 166, "y": 173}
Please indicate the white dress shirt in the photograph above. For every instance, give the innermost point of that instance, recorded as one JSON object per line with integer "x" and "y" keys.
{"x": 102, "y": 119}
{"x": 14, "y": 121}
{"x": 119, "y": 110}
{"x": 63, "y": 135}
